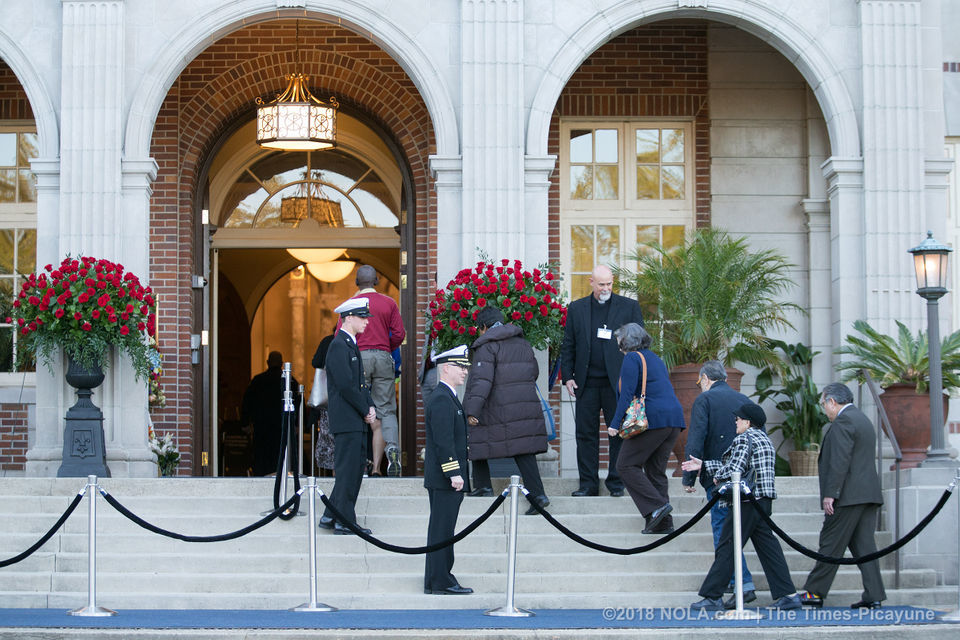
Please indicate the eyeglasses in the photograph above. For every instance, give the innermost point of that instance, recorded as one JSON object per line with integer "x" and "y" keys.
{"x": 700, "y": 379}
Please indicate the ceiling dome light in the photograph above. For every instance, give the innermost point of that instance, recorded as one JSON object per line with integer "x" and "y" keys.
{"x": 331, "y": 271}
{"x": 316, "y": 255}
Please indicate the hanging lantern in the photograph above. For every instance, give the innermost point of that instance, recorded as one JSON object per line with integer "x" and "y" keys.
{"x": 297, "y": 121}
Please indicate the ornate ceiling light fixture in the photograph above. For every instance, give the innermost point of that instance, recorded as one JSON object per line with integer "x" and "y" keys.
{"x": 295, "y": 120}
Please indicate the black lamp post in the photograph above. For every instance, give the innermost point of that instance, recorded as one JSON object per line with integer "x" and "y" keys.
{"x": 930, "y": 262}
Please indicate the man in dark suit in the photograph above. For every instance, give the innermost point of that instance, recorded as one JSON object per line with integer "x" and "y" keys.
{"x": 713, "y": 427}
{"x": 590, "y": 364}
{"x": 263, "y": 406}
{"x": 444, "y": 469}
{"x": 351, "y": 409}
{"x": 850, "y": 491}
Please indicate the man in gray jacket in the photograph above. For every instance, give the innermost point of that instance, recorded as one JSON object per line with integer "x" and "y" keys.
{"x": 850, "y": 493}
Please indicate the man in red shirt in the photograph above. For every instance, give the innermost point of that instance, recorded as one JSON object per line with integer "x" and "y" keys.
{"x": 383, "y": 334}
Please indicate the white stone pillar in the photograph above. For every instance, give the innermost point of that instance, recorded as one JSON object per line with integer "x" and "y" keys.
{"x": 537, "y": 172}
{"x": 893, "y": 158}
{"x": 493, "y": 129}
{"x": 447, "y": 172}
{"x": 817, "y": 212}
{"x": 848, "y": 297}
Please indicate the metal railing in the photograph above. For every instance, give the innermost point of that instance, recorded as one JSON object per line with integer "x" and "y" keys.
{"x": 887, "y": 430}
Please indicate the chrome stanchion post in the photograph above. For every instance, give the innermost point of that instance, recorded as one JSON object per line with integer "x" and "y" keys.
{"x": 313, "y": 605}
{"x": 954, "y": 615}
{"x": 288, "y": 410}
{"x": 92, "y": 610}
{"x": 509, "y": 610}
{"x": 739, "y": 613}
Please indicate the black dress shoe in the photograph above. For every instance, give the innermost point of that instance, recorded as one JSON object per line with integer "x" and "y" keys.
{"x": 543, "y": 501}
{"x": 658, "y": 515}
{"x": 579, "y": 493}
{"x": 866, "y": 604}
{"x": 326, "y": 523}
{"x": 616, "y": 493}
{"x": 661, "y": 530}
{"x": 481, "y": 492}
{"x": 341, "y": 530}
{"x": 455, "y": 590}
{"x": 731, "y": 602}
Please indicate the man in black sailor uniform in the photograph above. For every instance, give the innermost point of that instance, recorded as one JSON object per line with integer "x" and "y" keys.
{"x": 445, "y": 469}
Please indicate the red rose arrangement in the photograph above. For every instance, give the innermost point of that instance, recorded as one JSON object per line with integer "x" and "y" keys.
{"x": 528, "y": 299}
{"x": 85, "y": 306}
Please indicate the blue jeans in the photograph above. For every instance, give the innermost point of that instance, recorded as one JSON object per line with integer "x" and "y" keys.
{"x": 718, "y": 514}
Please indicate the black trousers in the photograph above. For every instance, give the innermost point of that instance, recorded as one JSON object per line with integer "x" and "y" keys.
{"x": 590, "y": 401}
{"x": 764, "y": 542}
{"x": 529, "y": 471}
{"x": 349, "y": 461}
{"x": 850, "y": 527}
{"x": 643, "y": 467}
{"x": 444, "y": 509}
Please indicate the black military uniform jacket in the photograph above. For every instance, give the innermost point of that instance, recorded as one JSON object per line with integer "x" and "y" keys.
{"x": 446, "y": 434}
{"x": 349, "y": 398}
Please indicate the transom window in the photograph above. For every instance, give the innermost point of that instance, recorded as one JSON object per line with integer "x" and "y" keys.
{"x": 623, "y": 184}
{"x": 332, "y": 187}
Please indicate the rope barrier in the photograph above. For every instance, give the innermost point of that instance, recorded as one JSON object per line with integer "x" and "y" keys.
{"x": 617, "y": 550}
{"x": 218, "y": 538}
{"x": 470, "y": 528}
{"x": 49, "y": 534}
{"x": 913, "y": 533}
{"x": 288, "y": 449}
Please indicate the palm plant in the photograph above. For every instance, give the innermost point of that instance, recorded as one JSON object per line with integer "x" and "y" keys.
{"x": 711, "y": 298}
{"x": 797, "y": 397}
{"x": 903, "y": 359}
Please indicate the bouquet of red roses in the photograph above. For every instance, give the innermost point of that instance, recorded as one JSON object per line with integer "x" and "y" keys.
{"x": 528, "y": 299}
{"x": 84, "y": 306}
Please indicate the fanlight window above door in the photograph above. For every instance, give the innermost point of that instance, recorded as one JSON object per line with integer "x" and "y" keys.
{"x": 332, "y": 187}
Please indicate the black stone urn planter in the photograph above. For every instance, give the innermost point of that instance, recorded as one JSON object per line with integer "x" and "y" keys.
{"x": 84, "y": 453}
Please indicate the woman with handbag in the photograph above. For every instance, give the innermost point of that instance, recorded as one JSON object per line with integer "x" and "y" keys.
{"x": 319, "y": 420}
{"x": 649, "y": 418}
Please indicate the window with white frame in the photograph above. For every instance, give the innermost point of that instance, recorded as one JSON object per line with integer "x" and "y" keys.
{"x": 18, "y": 226}
{"x": 622, "y": 184}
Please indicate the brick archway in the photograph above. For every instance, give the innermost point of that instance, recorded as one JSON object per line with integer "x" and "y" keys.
{"x": 216, "y": 90}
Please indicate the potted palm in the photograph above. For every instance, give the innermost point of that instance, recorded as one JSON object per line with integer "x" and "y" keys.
{"x": 901, "y": 366}
{"x": 711, "y": 298}
{"x": 798, "y": 398}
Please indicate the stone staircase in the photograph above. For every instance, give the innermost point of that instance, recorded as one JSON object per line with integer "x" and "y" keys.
{"x": 268, "y": 569}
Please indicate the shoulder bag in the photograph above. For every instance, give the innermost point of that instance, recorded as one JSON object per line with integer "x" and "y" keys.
{"x": 635, "y": 420}
{"x": 318, "y": 392}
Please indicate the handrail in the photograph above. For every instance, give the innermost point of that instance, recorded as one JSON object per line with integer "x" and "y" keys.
{"x": 898, "y": 458}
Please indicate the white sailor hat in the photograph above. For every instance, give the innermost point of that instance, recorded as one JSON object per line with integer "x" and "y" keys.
{"x": 457, "y": 355}
{"x": 354, "y": 307}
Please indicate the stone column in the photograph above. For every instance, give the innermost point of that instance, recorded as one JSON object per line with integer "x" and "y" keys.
{"x": 848, "y": 297}
{"x": 817, "y": 213}
{"x": 537, "y": 172}
{"x": 493, "y": 130}
{"x": 447, "y": 172}
{"x": 893, "y": 159}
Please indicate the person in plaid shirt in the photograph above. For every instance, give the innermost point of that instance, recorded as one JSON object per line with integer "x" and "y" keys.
{"x": 752, "y": 454}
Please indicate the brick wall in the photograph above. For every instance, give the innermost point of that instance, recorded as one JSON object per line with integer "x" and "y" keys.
{"x": 13, "y": 101}
{"x": 13, "y": 436}
{"x": 214, "y": 92}
{"x": 656, "y": 71}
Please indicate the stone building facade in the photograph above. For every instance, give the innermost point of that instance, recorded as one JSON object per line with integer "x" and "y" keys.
{"x": 525, "y": 129}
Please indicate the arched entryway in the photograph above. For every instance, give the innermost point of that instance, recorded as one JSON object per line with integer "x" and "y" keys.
{"x": 209, "y": 175}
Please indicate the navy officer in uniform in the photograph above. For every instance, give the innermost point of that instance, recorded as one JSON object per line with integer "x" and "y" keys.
{"x": 445, "y": 469}
{"x": 351, "y": 410}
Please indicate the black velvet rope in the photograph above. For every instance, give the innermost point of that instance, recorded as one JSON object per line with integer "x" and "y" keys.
{"x": 287, "y": 444}
{"x": 470, "y": 528}
{"x": 49, "y": 534}
{"x": 179, "y": 536}
{"x": 819, "y": 557}
{"x": 634, "y": 550}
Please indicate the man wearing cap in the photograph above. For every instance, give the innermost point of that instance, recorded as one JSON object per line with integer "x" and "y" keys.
{"x": 752, "y": 455}
{"x": 850, "y": 495}
{"x": 351, "y": 409}
{"x": 382, "y": 337}
{"x": 444, "y": 469}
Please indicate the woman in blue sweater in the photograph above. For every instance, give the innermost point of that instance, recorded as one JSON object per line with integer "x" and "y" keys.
{"x": 643, "y": 459}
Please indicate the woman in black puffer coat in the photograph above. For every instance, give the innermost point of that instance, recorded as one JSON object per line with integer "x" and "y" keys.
{"x": 503, "y": 410}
